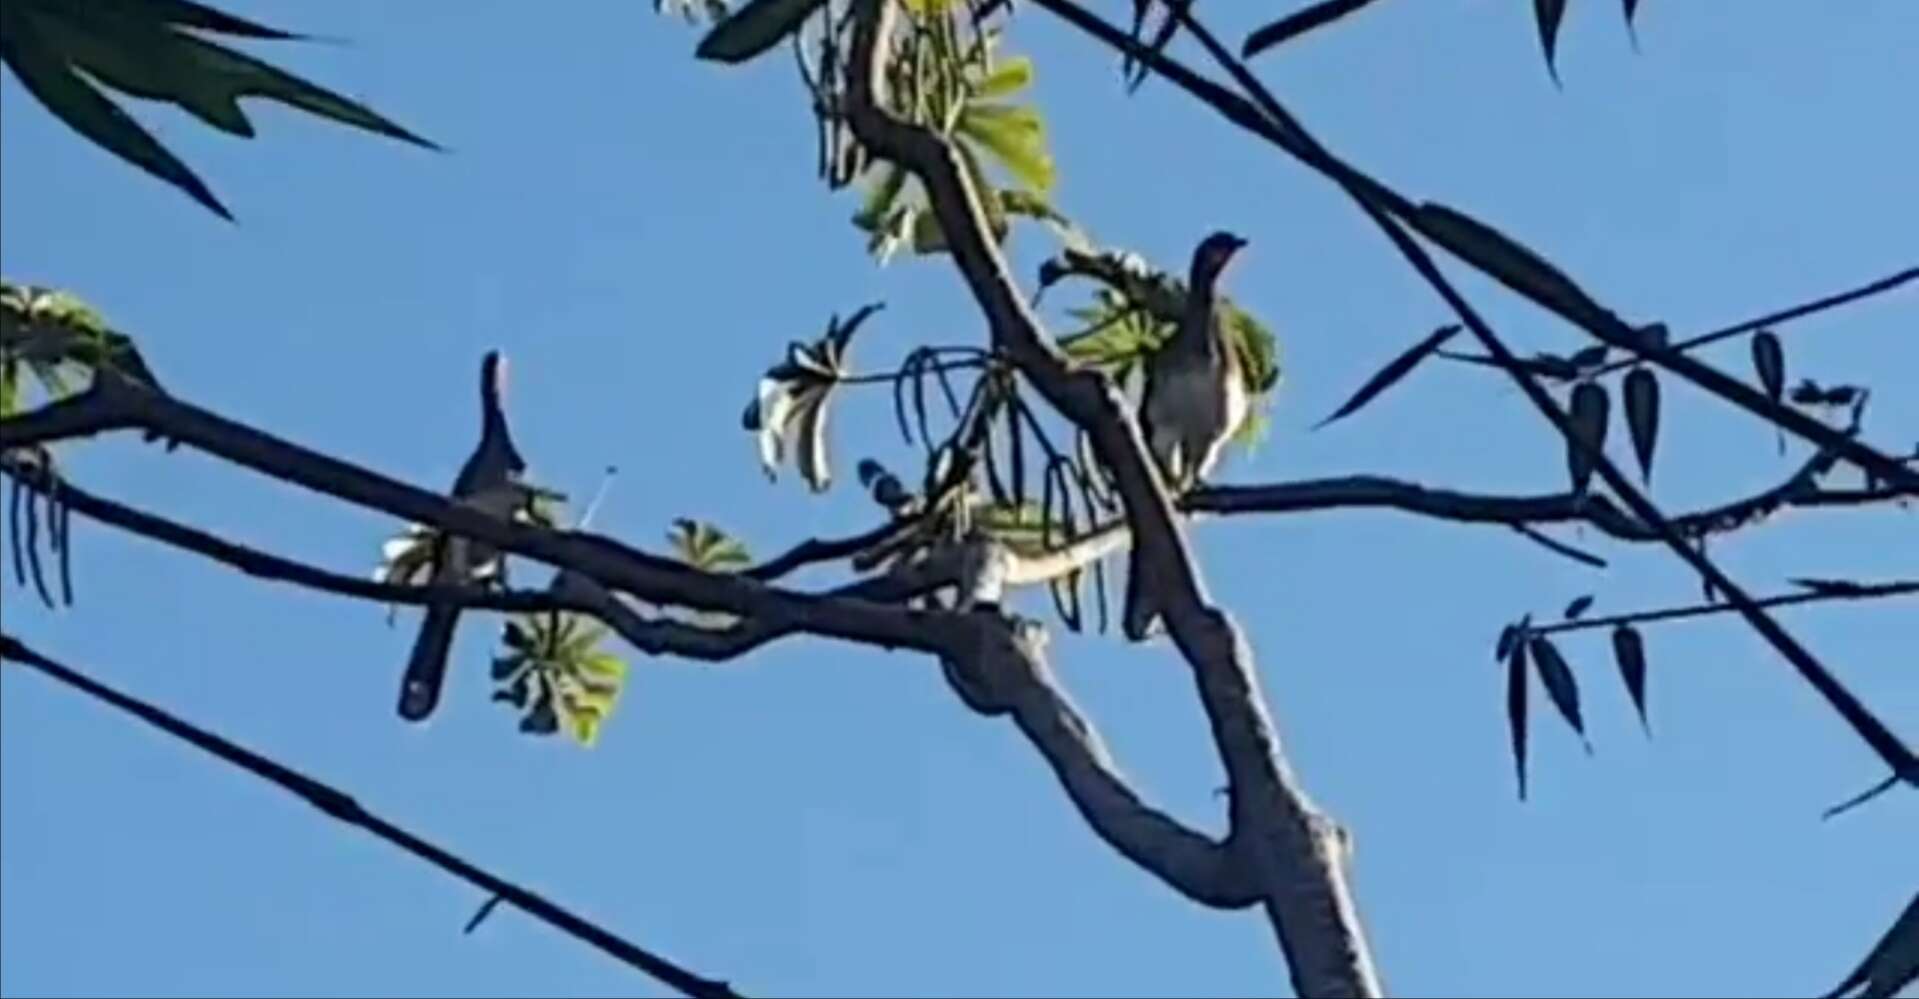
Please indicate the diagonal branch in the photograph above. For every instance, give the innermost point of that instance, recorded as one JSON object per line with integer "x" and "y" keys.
{"x": 341, "y": 806}
{"x": 1442, "y": 226}
{"x": 1291, "y": 852}
{"x": 1890, "y": 749}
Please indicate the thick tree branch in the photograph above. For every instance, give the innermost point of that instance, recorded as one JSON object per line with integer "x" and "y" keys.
{"x": 1291, "y": 852}
{"x": 1280, "y": 128}
{"x": 1192, "y": 864}
{"x": 112, "y": 405}
{"x": 341, "y": 806}
{"x": 1801, "y": 489}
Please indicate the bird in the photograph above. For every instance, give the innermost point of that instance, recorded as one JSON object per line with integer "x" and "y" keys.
{"x": 1195, "y": 395}
{"x": 491, "y": 481}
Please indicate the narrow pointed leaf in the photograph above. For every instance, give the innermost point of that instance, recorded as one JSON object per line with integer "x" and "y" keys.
{"x": 1589, "y": 406}
{"x": 1009, "y": 76}
{"x": 1507, "y": 636}
{"x": 1398, "y": 368}
{"x": 1579, "y": 606}
{"x": 1511, "y": 264}
{"x": 1549, "y": 13}
{"x": 754, "y": 28}
{"x": 1629, "y": 650}
{"x": 1588, "y": 358}
{"x": 1559, "y": 682}
{"x": 87, "y": 111}
{"x": 192, "y": 15}
{"x": 1642, "y": 416}
{"x": 1632, "y": 8}
{"x": 1298, "y": 23}
{"x": 1516, "y": 711}
{"x": 1769, "y": 360}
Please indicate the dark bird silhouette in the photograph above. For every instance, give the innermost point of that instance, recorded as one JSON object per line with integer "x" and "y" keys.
{"x": 490, "y": 481}
{"x": 1195, "y": 396}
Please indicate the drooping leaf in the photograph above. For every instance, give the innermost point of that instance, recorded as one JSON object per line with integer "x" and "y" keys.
{"x": 1511, "y": 264}
{"x": 1396, "y": 369}
{"x": 1642, "y": 416}
{"x": 1632, "y": 7}
{"x": 1009, "y": 76}
{"x": 1017, "y": 137}
{"x": 1588, "y": 417}
{"x": 755, "y": 28}
{"x": 1559, "y": 682}
{"x": 1578, "y": 607}
{"x": 1504, "y": 647}
{"x": 1548, "y": 14}
{"x": 1516, "y": 711}
{"x": 1298, "y": 23}
{"x": 1629, "y": 650}
{"x": 1769, "y": 360}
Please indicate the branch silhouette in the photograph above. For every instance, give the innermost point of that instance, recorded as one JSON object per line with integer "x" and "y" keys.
{"x": 342, "y": 807}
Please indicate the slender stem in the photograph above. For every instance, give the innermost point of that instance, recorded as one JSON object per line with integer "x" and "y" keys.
{"x": 1865, "y": 591}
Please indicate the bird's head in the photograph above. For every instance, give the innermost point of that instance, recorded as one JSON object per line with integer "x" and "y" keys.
{"x": 1212, "y": 256}
{"x": 493, "y": 379}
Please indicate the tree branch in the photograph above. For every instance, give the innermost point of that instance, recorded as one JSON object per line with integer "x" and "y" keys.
{"x": 341, "y": 806}
{"x": 1280, "y": 128}
{"x": 1291, "y": 852}
{"x": 1862, "y": 591}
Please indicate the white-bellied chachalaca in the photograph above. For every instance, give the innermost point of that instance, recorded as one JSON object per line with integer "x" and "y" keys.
{"x": 491, "y": 481}
{"x": 1195, "y": 396}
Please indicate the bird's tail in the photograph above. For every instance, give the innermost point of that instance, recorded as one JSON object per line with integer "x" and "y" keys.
{"x": 426, "y": 670}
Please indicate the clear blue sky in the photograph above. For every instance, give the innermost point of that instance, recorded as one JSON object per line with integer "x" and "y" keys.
{"x": 643, "y": 234}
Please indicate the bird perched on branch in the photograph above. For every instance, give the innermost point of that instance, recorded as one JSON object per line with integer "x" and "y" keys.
{"x": 491, "y": 482}
{"x": 1195, "y": 396}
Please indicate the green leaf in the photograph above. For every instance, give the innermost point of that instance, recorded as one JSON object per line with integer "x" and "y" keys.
{"x": 1009, "y": 77}
{"x": 755, "y": 28}
{"x": 706, "y": 547}
{"x": 1396, "y": 369}
{"x": 1258, "y": 348}
{"x": 89, "y": 113}
{"x": 1642, "y": 416}
{"x": 1017, "y": 138}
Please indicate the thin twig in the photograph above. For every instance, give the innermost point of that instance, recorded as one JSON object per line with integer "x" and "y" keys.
{"x": 341, "y": 806}
{"x": 1865, "y": 591}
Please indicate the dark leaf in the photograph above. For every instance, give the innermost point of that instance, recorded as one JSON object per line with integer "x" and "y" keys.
{"x": 1642, "y": 416}
{"x": 1769, "y": 359}
{"x": 1507, "y": 636}
{"x": 1630, "y": 652}
{"x": 1298, "y": 23}
{"x": 1516, "y": 711}
{"x": 1808, "y": 393}
{"x": 1396, "y": 369}
{"x": 90, "y": 113}
{"x": 1833, "y": 587}
{"x": 1589, "y": 358}
{"x": 1560, "y": 685}
{"x": 1589, "y": 406}
{"x": 1510, "y": 264}
{"x": 1548, "y": 13}
{"x": 1842, "y": 395}
{"x": 754, "y": 28}
{"x": 1578, "y": 606}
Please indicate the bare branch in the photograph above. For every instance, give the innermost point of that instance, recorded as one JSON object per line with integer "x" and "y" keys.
{"x": 1864, "y": 591}
{"x": 341, "y": 806}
